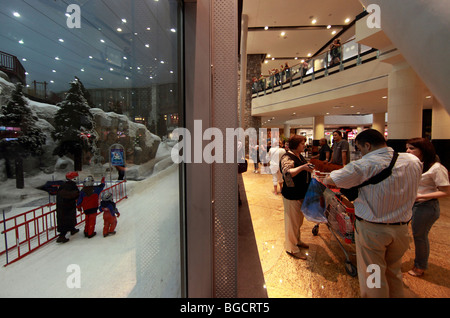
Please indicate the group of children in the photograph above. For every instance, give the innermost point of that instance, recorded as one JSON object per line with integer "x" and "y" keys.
{"x": 88, "y": 202}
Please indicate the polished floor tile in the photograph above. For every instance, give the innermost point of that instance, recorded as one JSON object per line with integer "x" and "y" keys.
{"x": 323, "y": 274}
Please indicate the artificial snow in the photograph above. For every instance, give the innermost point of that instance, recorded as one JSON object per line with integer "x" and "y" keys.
{"x": 141, "y": 260}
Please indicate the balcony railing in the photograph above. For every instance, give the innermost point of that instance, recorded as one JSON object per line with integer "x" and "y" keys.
{"x": 12, "y": 66}
{"x": 352, "y": 54}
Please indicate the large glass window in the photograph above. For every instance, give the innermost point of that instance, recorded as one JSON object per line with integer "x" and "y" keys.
{"x": 92, "y": 87}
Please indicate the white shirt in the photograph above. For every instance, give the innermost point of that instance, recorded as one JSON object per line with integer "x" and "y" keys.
{"x": 436, "y": 176}
{"x": 275, "y": 154}
{"x": 390, "y": 200}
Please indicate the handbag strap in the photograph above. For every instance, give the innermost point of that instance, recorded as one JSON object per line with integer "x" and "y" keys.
{"x": 386, "y": 172}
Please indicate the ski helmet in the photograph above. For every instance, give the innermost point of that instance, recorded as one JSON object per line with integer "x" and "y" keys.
{"x": 88, "y": 181}
{"x": 107, "y": 196}
{"x": 71, "y": 175}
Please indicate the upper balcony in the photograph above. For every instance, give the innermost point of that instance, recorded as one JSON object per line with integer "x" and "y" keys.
{"x": 12, "y": 67}
{"x": 358, "y": 80}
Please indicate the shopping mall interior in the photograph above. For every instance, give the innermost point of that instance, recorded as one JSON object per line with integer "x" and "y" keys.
{"x": 144, "y": 69}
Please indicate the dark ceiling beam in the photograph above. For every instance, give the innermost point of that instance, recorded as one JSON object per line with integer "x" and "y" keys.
{"x": 295, "y": 28}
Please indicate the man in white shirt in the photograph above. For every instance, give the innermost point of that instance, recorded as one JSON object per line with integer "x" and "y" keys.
{"x": 382, "y": 211}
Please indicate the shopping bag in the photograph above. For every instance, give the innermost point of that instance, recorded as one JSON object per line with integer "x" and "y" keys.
{"x": 314, "y": 204}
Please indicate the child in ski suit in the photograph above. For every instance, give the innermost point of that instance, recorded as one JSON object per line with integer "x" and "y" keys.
{"x": 110, "y": 214}
{"x": 88, "y": 201}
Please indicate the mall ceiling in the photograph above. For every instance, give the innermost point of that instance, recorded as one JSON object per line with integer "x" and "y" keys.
{"x": 119, "y": 43}
{"x": 308, "y": 29}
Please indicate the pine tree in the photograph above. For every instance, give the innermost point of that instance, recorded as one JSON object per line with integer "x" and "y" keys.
{"x": 30, "y": 139}
{"x": 74, "y": 126}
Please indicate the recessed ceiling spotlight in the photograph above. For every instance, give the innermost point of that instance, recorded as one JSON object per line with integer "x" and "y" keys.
{"x": 57, "y": 58}
{"x": 61, "y": 40}
{"x": 314, "y": 21}
{"x": 16, "y": 14}
{"x": 334, "y": 32}
{"x": 173, "y": 30}
{"x": 124, "y": 20}
{"x": 119, "y": 29}
{"x": 147, "y": 45}
{"x": 309, "y": 54}
{"x": 329, "y": 27}
{"x": 347, "y": 20}
{"x": 266, "y": 28}
{"x": 283, "y": 33}
{"x": 21, "y": 42}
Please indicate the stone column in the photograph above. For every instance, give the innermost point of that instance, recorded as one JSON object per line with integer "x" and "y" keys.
{"x": 405, "y": 99}
{"x": 379, "y": 122}
{"x": 440, "y": 132}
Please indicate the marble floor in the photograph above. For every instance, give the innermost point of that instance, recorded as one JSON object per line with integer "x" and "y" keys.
{"x": 323, "y": 274}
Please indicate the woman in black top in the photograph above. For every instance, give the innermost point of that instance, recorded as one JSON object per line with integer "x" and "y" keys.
{"x": 295, "y": 170}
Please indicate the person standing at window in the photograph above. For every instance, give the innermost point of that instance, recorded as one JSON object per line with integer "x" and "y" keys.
{"x": 296, "y": 176}
{"x": 433, "y": 185}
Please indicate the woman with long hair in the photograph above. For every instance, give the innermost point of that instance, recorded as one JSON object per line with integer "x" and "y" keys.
{"x": 433, "y": 185}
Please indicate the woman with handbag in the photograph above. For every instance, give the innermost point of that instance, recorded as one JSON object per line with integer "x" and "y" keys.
{"x": 295, "y": 171}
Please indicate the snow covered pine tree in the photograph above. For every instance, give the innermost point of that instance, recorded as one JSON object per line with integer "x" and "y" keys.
{"x": 30, "y": 137}
{"x": 74, "y": 126}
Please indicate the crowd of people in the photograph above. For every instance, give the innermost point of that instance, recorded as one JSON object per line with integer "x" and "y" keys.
{"x": 285, "y": 73}
{"x": 383, "y": 209}
{"x": 69, "y": 199}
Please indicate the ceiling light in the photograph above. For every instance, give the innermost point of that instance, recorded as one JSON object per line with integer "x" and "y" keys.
{"x": 82, "y": 70}
{"x": 16, "y": 14}
{"x": 266, "y": 61}
{"x": 24, "y": 59}
{"x": 52, "y": 82}
{"x": 61, "y": 40}
{"x": 90, "y": 56}
{"x": 124, "y": 20}
{"x": 268, "y": 55}
{"x": 147, "y": 45}
{"x": 119, "y": 30}
{"x": 314, "y": 21}
{"x": 266, "y": 28}
{"x": 329, "y": 27}
{"x": 283, "y": 33}
{"x": 53, "y": 71}
{"x": 148, "y": 29}
{"x": 309, "y": 54}
{"x": 21, "y": 42}
{"x": 101, "y": 40}
{"x": 384, "y": 97}
{"x": 57, "y": 58}
{"x": 333, "y": 33}
{"x": 173, "y": 30}
{"x": 428, "y": 97}
{"x": 347, "y": 20}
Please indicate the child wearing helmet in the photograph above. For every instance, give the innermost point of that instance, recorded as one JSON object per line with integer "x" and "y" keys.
{"x": 88, "y": 201}
{"x": 110, "y": 214}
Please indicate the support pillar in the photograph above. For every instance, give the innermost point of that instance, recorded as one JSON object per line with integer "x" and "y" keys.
{"x": 440, "y": 132}
{"x": 287, "y": 131}
{"x": 379, "y": 122}
{"x": 405, "y": 98}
